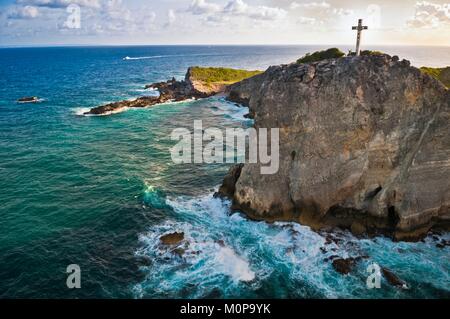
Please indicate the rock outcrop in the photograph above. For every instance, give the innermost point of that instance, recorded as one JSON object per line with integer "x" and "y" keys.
{"x": 170, "y": 91}
{"x": 172, "y": 238}
{"x": 364, "y": 145}
{"x": 28, "y": 99}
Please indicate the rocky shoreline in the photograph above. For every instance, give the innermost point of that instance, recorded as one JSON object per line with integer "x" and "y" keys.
{"x": 363, "y": 146}
{"x": 192, "y": 87}
{"x": 170, "y": 91}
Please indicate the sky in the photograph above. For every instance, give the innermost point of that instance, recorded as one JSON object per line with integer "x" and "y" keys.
{"x": 152, "y": 22}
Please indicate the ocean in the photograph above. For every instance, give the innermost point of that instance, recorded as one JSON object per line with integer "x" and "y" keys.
{"x": 100, "y": 191}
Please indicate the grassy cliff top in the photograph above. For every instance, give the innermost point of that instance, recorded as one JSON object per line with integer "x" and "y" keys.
{"x": 220, "y": 76}
{"x": 442, "y": 74}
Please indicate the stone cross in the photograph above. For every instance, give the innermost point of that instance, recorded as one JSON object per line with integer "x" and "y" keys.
{"x": 360, "y": 27}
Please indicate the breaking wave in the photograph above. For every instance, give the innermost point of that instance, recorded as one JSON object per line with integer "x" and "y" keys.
{"x": 225, "y": 255}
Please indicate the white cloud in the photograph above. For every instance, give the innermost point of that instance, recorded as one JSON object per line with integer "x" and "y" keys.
{"x": 318, "y": 12}
{"x": 430, "y": 15}
{"x": 235, "y": 8}
{"x": 26, "y": 12}
{"x": 306, "y": 21}
{"x": 171, "y": 18}
{"x": 199, "y": 7}
{"x": 60, "y": 3}
{"x": 239, "y": 7}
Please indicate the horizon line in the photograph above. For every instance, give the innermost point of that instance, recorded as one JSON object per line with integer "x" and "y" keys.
{"x": 19, "y": 46}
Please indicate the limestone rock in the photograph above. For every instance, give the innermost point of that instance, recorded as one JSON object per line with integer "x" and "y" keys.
{"x": 229, "y": 184}
{"x": 172, "y": 239}
{"x": 361, "y": 139}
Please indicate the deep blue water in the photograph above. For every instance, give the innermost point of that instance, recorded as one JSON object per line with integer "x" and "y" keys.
{"x": 100, "y": 191}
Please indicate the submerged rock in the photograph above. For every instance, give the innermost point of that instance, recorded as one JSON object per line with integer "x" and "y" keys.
{"x": 344, "y": 266}
{"x": 363, "y": 145}
{"x": 172, "y": 239}
{"x": 393, "y": 279}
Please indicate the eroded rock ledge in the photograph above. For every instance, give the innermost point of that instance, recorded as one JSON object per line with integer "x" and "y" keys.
{"x": 199, "y": 83}
{"x": 170, "y": 91}
{"x": 364, "y": 145}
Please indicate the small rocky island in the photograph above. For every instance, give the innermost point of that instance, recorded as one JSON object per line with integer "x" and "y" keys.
{"x": 28, "y": 99}
{"x": 364, "y": 145}
{"x": 199, "y": 83}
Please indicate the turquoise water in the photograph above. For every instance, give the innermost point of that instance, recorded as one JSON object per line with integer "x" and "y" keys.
{"x": 100, "y": 191}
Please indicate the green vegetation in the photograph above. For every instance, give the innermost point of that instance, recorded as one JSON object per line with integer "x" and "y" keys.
{"x": 369, "y": 52}
{"x": 366, "y": 52}
{"x": 220, "y": 75}
{"x": 442, "y": 74}
{"x": 332, "y": 53}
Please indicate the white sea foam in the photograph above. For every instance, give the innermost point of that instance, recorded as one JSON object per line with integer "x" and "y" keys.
{"x": 233, "y": 254}
{"x": 233, "y": 265}
{"x": 81, "y": 110}
{"x": 231, "y": 110}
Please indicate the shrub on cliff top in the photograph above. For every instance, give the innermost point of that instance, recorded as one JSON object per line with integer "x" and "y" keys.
{"x": 220, "y": 75}
{"x": 332, "y": 53}
{"x": 366, "y": 53}
{"x": 442, "y": 74}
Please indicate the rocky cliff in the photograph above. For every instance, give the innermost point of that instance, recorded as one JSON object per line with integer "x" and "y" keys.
{"x": 364, "y": 144}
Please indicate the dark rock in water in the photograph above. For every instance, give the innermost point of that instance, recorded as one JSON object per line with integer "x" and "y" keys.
{"x": 221, "y": 243}
{"x": 172, "y": 239}
{"x": 30, "y": 99}
{"x": 143, "y": 261}
{"x": 344, "y": 266}
{"x": 393, "y": 279}
{"x": 370, "y": 135}
{"x": 443, "y": 243}
{"x": 179, "y": 251}
{"x": 119, "y": 106}
{"x": 229, "y": 183}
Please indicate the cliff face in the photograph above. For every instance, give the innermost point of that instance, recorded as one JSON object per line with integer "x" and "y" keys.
{"x": 364, "y": 144}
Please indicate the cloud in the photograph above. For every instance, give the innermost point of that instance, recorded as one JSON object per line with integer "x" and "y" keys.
{"x": 239, "y": 7}
{"x": 199, "y": 7}
{"x": 430, "y": 15}
{"x": 60, "y": 3}
{"x": 113, "y": 17}
{"x": 171, "y": 18}
{"x": 27, "y": 12}
{"x": 318, "y": 13}
{"x": 235, "y": 8}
